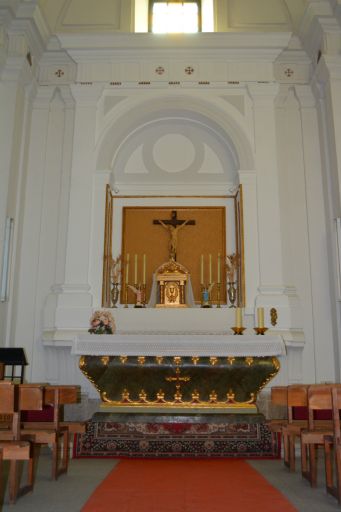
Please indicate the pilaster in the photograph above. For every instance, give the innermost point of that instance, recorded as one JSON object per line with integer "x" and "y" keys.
{"x": 71, "y": 300}
{"x": 269, "y": 228}
{"x": 248, "y": 180}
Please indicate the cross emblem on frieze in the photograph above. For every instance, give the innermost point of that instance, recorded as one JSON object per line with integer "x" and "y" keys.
{"x": 173, "y": 226}
{"x": 288, "y": 72}
{"x": 59, "y": 73}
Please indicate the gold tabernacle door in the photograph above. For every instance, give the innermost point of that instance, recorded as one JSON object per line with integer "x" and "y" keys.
{"x": 171, "y": 280}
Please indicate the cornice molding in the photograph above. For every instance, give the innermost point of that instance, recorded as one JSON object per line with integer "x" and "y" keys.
{"x": 320, "y": 30}
{"x": 274, "y": 41}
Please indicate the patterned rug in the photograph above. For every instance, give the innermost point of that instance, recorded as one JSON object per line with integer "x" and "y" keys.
{"x": 203, "y": 436}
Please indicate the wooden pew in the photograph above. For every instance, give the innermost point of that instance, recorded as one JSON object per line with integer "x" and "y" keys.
{"x": 332, "y": 446}
{"x": 55, "y": 432}
{"x": 279, "y": 398}
{"x": 297, "y": 397}
{"x": 11, "y": 447}
{"x": 319, "y": 398}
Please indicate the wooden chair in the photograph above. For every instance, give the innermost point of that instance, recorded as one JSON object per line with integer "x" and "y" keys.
{"x": 2, "y": 371}
{"x": 67, "y": 394}
{"x": 55, "y": 432}
{"x": 297, "y": 397}
{"x": 319, "y": 398}
{"x": 11, "y": 447}
{"x": 332, "y": 446}
{"x": 279, "y": 398}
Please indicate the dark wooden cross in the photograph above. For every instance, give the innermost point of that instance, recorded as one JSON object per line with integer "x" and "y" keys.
{"x": 173, "y": 225}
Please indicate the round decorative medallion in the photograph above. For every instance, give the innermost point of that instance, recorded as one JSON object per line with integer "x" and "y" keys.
{"x": 173, "y": 152}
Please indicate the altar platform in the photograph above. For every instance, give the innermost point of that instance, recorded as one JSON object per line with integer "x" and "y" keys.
{"x": 176, "y": 436}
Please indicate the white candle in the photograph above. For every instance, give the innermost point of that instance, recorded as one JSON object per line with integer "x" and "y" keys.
{"x": 127, "y": 269}
{"x": 144, "y": 269}
{"x": 218, "y": 269}
{"x": 135, "y": 268}
{"x": 202, "y": 270}
{"x": 210, "y": 268}
{"x": 260, "y": 317}
{"x": 239, "y": 319}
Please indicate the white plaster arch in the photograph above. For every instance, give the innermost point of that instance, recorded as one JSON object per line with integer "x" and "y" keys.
{"x": 130, "y": 113}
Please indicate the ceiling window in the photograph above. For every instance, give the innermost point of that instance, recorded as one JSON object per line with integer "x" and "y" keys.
{"x": 175, "y": 17}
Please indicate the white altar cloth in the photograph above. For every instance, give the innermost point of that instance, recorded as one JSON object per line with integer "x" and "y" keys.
{"x": 159, "y": 344}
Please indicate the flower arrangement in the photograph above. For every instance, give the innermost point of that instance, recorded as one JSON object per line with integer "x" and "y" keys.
{"x": 231, "y": 265}
{"x": 102, "y": 322}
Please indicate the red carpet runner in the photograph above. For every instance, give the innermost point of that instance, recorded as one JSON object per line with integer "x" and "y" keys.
{"x": 186, "y": 486}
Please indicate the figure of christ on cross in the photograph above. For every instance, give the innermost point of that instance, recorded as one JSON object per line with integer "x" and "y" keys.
{"x": 173, "y": 226}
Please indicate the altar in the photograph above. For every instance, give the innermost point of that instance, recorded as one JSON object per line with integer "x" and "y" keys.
{"x": 183, "y": 371}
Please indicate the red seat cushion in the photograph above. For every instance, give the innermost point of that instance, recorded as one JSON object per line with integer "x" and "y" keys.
{"x": 46, "y": 414}
{"x": 301, "y": 413}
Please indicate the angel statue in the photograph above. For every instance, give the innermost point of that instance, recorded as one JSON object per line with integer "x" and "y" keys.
{"x": 115, "y": 274}
{"x": 206, "y": 296}
{"x": 231, "y": 265}
{"x": 138, "y": 292}
{"x": 116, "y": 269}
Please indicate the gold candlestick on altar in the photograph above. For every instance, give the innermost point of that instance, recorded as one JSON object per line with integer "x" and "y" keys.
{"x": 260, "y": 330}
{"x": 126, "y": 296}
{"x": 238, "y": 330}
{"x": 218, "y": 295}
{"x": 144, "y": 295}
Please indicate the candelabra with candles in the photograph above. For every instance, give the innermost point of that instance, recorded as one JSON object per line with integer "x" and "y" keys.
{"x": 138, "y": 288}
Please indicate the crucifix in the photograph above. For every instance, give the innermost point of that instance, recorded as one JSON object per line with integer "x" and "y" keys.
{"x": 173, "y": 225}
{"x": 178, "y": 380}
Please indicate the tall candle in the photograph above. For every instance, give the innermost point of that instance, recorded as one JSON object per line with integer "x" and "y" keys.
{"x": 218, "y": 269}
{"x": 135, "y": 268}
{"x": 144, "y": 269}
{"x": 127, "y": 269}
{"x": 239, "y": 319}
{"x": 202, "y": 269}
{"x": 210, "y": 268}
{"x": 260, "y": 317}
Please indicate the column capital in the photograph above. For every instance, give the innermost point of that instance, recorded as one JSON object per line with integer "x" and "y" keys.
{"x": 247, "y": 177}
{"x": 86, "y": 94}
{"x": 305, "y": 96}
{"x": 263, "y": 94}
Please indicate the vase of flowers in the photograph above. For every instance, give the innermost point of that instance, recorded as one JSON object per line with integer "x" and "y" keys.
{"x": 102, "y": 322}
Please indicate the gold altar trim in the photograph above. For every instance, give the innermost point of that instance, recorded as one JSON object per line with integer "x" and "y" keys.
{"x": 175, "y": 404}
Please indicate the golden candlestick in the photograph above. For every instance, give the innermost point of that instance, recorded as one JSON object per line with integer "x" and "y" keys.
{"x": 126, "y": 296}
{"x": 238, "y": 330}
{"x": 218, "y": 295}
{"x": 260, "y": 330}
{"x": 144, "y": 295}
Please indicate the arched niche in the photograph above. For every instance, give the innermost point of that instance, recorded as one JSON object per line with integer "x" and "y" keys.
{"x": 174, "y": 140}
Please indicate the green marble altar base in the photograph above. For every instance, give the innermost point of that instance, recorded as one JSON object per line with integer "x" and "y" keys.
{"x": 141, "y": 383}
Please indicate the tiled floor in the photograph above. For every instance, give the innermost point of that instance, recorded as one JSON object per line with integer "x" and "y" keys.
{"x": 71, "y": 491}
